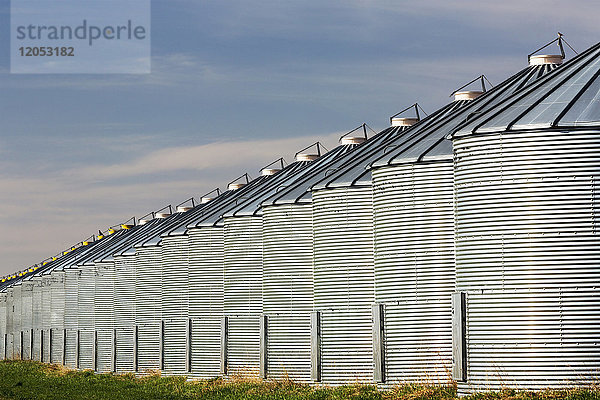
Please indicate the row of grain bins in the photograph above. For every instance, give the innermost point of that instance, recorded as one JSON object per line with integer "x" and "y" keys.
{"x": 462, "y": 245}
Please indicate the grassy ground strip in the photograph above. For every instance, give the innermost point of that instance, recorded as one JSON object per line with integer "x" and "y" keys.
{"x": 32, "y": 380}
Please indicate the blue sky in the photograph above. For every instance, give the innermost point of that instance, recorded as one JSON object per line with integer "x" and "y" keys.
{"x": 235, "y": 85}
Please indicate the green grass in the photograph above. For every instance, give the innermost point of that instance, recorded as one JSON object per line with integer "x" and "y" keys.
{"x": 32, "y": 380}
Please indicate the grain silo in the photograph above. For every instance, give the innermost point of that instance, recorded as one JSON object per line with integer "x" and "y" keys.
{"x": 527, "y": 256}
{"x": 3, "y": 334}
{"x": 36, "y": 320}
{"x": 414, "y": 242}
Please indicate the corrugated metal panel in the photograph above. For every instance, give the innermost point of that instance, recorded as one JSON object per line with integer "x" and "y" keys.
{"x": 148, "y": 307}
{"x": 85, "y": 316}
{"x": 206, "y": 252}
{"x": 414, "y": 268}
{"x": 125, "y": 312}
{"x": 27, "y": 317}
{"x": 175, "y": 303}
{"x": 37, "y": 318}
{"x": 2, "y": 325}
{"x": 70, "y": 315}
{"x": 243, "y": 292}
{"x": 288, "y": 289}
{"x": 46, "y": 316}
{"x": 344, "y": 281}
{"x": 57, "y": 322}
{"x": 527, "y": 257}
{"x": 104, "y": 298}
{"x": 346, "y": 345}
{"x": 10, "y": 323}
{"x": 16, "y": 321}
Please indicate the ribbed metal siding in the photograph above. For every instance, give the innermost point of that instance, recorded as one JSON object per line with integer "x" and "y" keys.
{"x": 288, "y": 289}
{"x": 344, "y": 282}
{"x": 414, "y": 268}
{"x": 70, "y": 315}
{"x": 125, "y": 313}
{"x": 527, "y": 255}
{"x": 57, "y": 312}
{"x": 10, "y": 323}
{"x": 26, "y": 317}
{"x": 36, "y": 319}
{"x": 104, "y": 300}
{"x": 206, "y": 252}
{"x": 17, "y": 320}
{"x": 85, "y": 316}
{"x": 46, "y": 316}
{"x": 175, "y": 304}
{"x": 2, "y": 325}
{"x": 148, "y": 275}
{"x": 243, "y": 292}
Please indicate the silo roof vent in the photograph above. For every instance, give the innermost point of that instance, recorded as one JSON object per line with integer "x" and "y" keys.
{"x": 310, "y": 153}
{"x": 462, "y": 93}
{"x": 273, "y": 167}
{"x": 401, "y": 119}
{"x": 210, "y": 196}
{"x": 164, "y": 212}
{"x": 357, "y": 135}
{"x": 239, "y": 182}
{"x": 186, "y": 205}
{"x": 542, "y": 59}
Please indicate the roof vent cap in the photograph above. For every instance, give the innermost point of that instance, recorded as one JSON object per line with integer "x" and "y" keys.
{"x": 542, "y": 59}
{"x": 306, "y": 157}
{"x": 162, "y": 215}
{"x": 143, "y": 221}
{"x": 467, "y": 95}
{"x": 353, "y": 140}
{"x": 181, "y": 209}
{"x": 238, "y": 183}
{"x": 205, "y": 200}
{"x": 403, "y": 121}
{"x": 269, "y": 171}
{"x": 235, "y": 186}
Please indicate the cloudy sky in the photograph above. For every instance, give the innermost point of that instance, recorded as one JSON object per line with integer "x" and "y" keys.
{"x": 235, "y": 85}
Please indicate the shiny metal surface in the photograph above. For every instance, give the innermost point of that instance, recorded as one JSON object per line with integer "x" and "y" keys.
{"x": 206, "y": 253}
{"x": 527, "y": 257}
{"x": 148, "y": 312}
{"x": 104, "y": 309}
{"x": 243, "y": 292}
{"x": 85, "y": 316}
{"x": 414, "y": 268}
{"x": 288, "y": 289}
{"x": 2, "y": 325}
{"x": 70, "y": 316}
{"x": 175, "y": 303}
{"x": 57, "y": 288}
{"x": 27, "y": 317}
{"x": 124, "y": 312}
{"x": 46, "y": 317}
{"x": 344, "y": 282}
{"x": 36, "y": 320}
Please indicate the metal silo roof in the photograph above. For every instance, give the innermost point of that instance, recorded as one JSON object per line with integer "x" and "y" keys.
{"x": 428, "y": 142}
{"x": 295, "y": 181}
{"x": 566, "y": 98}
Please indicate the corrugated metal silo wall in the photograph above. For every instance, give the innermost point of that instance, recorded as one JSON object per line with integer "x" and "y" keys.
{"x": 46, "y": 316}
{"x": 17, "y": 318}
{"x": 414, "y": 268}
{"x": 527, "y": 257}
{"x": 288, "y": 289}
{"x": 148, "y": 315}
{"x": 125, "y": 313}
{"x": 10, "y": 335}
{"x": 2, "y": 325}
{"x": 206, "y": 250}
{"x": 85, "y": 316}
{"x": 175, "y": 292}
{"x": 27, "y": 317}
{"x": 37, "y": 318}
{"x": 70, "y": 314}
{"x": 243, "y": 293}
{"x": 57, "y": 312}
{"x": 344, "y": 282}
{"x": 104, "y": 308}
